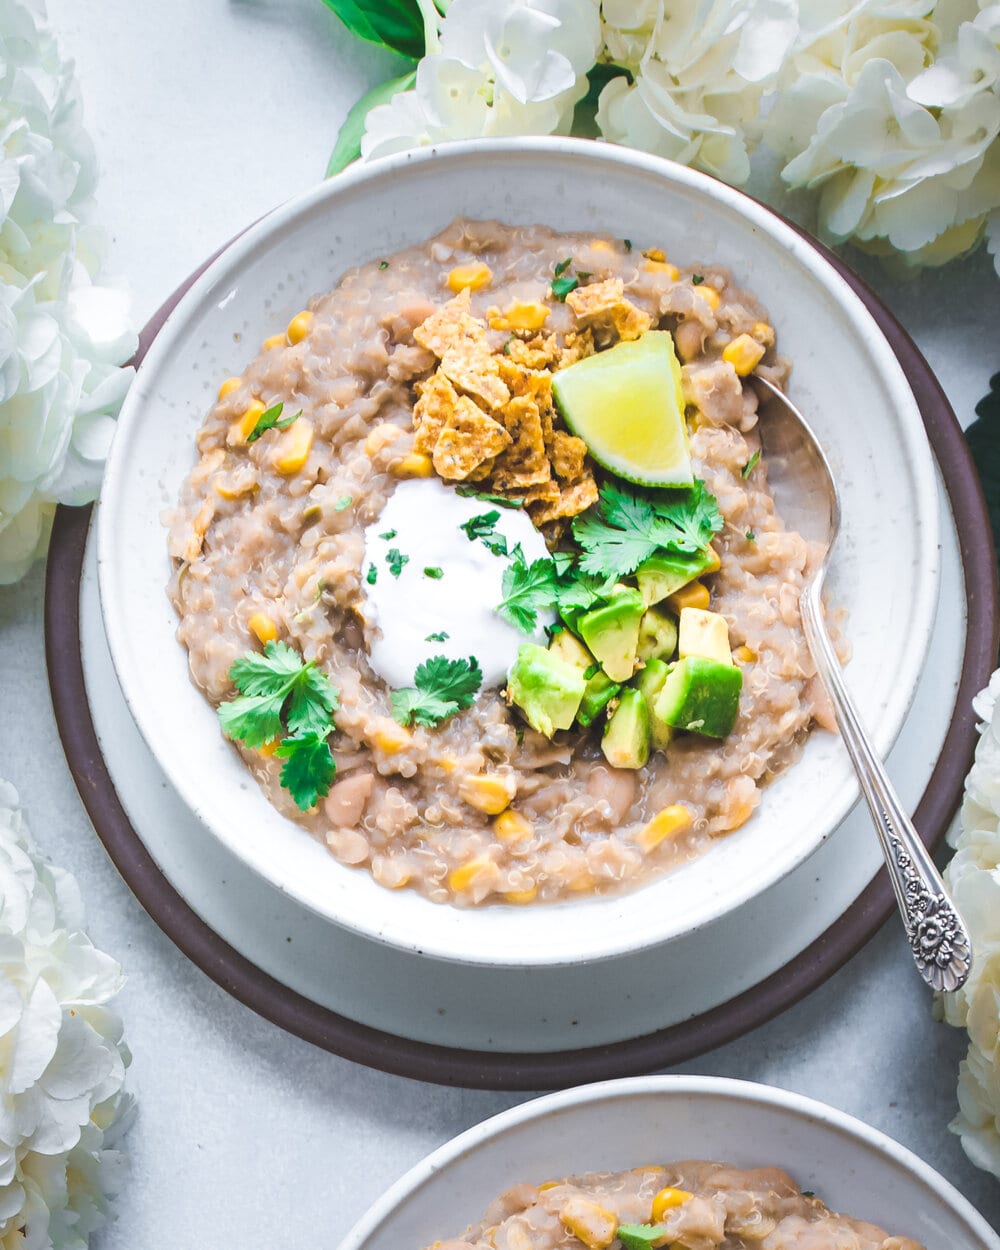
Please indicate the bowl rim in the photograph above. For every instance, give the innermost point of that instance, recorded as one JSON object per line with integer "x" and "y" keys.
{"x": 665, "y": 1087}
{"x": 232, "y": 259}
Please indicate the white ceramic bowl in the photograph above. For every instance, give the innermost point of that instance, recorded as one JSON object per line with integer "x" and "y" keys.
{"x": 845, "y": 378}
{"x": 660, "y": 1119}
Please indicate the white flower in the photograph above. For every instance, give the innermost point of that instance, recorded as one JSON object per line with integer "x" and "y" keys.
{"x": 973, "y": 66}
{"x": 61, "y": 338}
{"x": 517, "y": 67}
{"x": 62, "y": 1059}
{"x": 978, "y": 1119}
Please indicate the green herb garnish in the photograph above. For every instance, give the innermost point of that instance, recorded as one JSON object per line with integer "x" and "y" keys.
{"x": 624, "y": 527}
{"x": 371, "y": 577}
{"x": 628, "y": 244}
{"x": 528, "y": 589}
{"x": 441, "y": 636}
{"x": 271, "y": 420}
{"x": 750, "y": 465}
{"x": 395, "y": 560}
{"x": 591, "y": 671}
{"x": 383, "y": 264}
{"x": 470, "y": 492}
{"x": 697, "y": 279}
{"x": 440, "y": 688}
{"x": 343, "y": 502}
{"x": 280, "y": 696}
{"x": 434, "y": 573}
{"x": 750, "y": 536}
{"x": 561, "y": 287}
{"x": 506, "y": 346}
{"x": 562, "y": 266}
{"x": 640, "y": 1236}
{"x": 481, "y": 526}
{"x": 389, "y": 535}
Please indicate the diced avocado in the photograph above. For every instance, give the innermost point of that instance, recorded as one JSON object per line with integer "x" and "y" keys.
{"x": 649, "y": 682}
{"x": 662, "y": 575}
{"x": 701, "y": 695}
{"x": 704, "y": 633}
{"x": 569, "y": 648}
{"x": 657, "y": 635}
{"x": 598, "y": 694}
{"x": 626, "y": 736}
{"x": 612, "y": 631}
{"x": 546, "y": 689}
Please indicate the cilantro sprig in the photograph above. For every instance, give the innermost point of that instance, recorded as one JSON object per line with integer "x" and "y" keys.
{"x": 441, "y": 687}
{"x": 483, "y": 527}
{"x": 562, "y": 282}
{"x": 282, "y": 697}
{"x": 272, "y": 420}
{"x": 543, "y": 585}
{"x": 624, "y": 528}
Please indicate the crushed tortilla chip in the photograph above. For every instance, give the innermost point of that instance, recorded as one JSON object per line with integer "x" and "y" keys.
{"x": 449, "y": 324}
{"x": 572, "y": 501}
{"x": 473, "y": 368}
{"x": 604, "y": 306}
{"x": 568, "y": 454}
{"x": 437, "y": 403}
{"x": 470, "y": 437}
{"x": 576, "y": 346}
{"x": 534, "y": 353}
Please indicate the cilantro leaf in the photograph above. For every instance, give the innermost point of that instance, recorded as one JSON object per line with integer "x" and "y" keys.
{"x": 470, "y": 492}
{"x": 562, "y": 266}
{"x": 309, "y": 767}
{"x": 750, "y": 465}
{"x": 389, "y": 535}
{"x": 433, "y": 572}
{"x": 441, "y": 636}
{"x": 561, "y": 287}
{"x": 440, "y": 688}
{"x": 371, "y": 577}
{"x": 481, "y": 526}
{"x": 527, "y": 588}
{"x": 253, "y": 719}
{"x": 312, "y": 702}
{"x": 395, "y": 560}
{"x": 640, "y": 1236}
{"x": 692, "y": 520}
{"x": 343, "y": 502}
{"x": 271, "y": 420}
{"x": 257, "y": 673}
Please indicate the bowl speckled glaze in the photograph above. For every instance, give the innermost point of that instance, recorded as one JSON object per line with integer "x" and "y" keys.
{"x": 845, "y": 378}
{"x": 617, "y": 1125}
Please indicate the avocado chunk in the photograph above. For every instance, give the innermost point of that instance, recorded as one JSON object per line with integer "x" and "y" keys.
{"x": 663, "y": 575}
{"x": 657, "y": 635}
{"x": 704, "y": 633}
{"x": 626, "y": 736}
{"x": 546, "y": 689}
{"x": 649, "y": 682}
{"x": 569, "y": 648}
{"x": 612, "y": 631}
{"x": 598, "y": 694}
{"x": 701, "y": 695}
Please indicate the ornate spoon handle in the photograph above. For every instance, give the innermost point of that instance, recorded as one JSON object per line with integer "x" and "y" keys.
{"x": 937, "y": 935}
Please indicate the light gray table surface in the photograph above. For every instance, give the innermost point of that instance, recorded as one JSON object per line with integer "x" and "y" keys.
{"x": 205, "y": 115}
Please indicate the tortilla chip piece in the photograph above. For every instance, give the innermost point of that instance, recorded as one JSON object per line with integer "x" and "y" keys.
{"x": 568, "y": 455}
{"x": 473, "y": 368}
{"x": 469, "y": 438}
{"x": 603, "y": 304}
{"x": 449, "y": 325}
{"x": 572, "y": 501}
{"x": 544, "y": 492}
{"x": 533, "y": 353}
{"x": 437, "y": 403}
{"x": 576, "y": 345}
{"x": 523, "y": 423}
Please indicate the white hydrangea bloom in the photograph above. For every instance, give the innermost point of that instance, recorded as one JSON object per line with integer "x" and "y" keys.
{"x": 973, "y": 879}
{"x": 61, "y": 337}
{"x": 505, "y": 68}
{"x": 63, "y": 1104}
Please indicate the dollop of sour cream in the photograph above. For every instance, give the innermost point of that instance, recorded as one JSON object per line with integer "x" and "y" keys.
{"x": 448, "y": 583}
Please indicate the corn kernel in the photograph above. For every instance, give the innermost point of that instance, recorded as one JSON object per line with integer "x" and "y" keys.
{"x": 763, "y": 333}
{"x": 299, "y": 327}
{"x": 600, "y": 245}
{"x": 230, "y": 385}
{"x": 233, "y": 488}
{"x": 744, "y": 354}
{"x": 276, "y": 340}
{"x": 243, "y": 426}
{"x": 466, "y": 874}
{"x": 522, "y": 896}
{"x": 693, "y": 595}
{"x": 666, "y": 1200}
{"x": 511, "y": 826}
{"x": 381, "y": 436}
{"x": 269, "y": 748}
{"x": 744, "y": 655}
{"x": 581, "y": 883}
{"x": 520, "y": 316}
{"x": 473, "y": 277}
{"x": 488, "y": 792}
{"x": 742, "y": 815}
{"x": 293, "y": 447}
{"x": 263, "y": 627}
{"x": 595, "y": 1226}
{"x": 710, "y": 295}
{"x": 548, "y": 1185}
{"x": 414, "y": 465}
{"x": 713, "y": 556}
{"x": 662, "y": 266}
{"x": 391, "y": 736}
{"x": 656, "y": 254}
{"x": 668, "y": 821}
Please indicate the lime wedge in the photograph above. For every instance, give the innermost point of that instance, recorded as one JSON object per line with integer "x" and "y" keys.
{"x": 627, "y": 405}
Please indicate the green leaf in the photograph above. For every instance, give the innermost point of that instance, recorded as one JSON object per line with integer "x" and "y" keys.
{"x": 347, "y": 149}
{"x": 395, "y": 560}
{"x": 410, "y": 706}
{"x": 983, "y": 437}
{"x": 527, "y": 589}
{"x": 271, "y": 420}
{"x": 750, "y": 465}
{"x": 470, "y": 492}
{"x": 312, "y": 703}
{"x": 255, "y": 673}
{"x": 253, "y": 719}
{"x": 561, "y": 287}
{"x": 309, "y": 768}
{"x": 440, "y": 688}
{"x": 395, "y": 24}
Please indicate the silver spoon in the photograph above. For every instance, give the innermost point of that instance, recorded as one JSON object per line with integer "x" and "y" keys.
{"x": 803, "y": 486}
